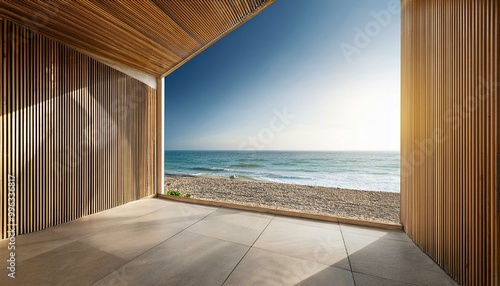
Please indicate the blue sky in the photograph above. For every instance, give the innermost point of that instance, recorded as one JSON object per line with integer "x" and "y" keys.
{"x": 301, "y": 75}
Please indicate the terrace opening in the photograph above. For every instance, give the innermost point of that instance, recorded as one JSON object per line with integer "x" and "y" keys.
{"x": 302, "y": 95}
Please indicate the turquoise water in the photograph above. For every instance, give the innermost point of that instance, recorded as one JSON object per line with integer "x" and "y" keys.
{"x": 371, "y": 171}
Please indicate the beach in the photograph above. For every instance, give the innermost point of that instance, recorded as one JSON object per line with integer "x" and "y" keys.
{"x": 345, "y": 203}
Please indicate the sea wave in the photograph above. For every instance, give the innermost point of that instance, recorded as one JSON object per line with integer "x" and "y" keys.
{"x": 178, "y": 175}
{"x": 226, "y": 176}
{"x": 210, "y": 169}
{"x": 252, "y": 159}
{"x": 287, "y": 177}
{"x": 245, "y": 166}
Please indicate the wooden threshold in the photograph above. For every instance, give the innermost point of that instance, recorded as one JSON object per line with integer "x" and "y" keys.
{"x": 319, "y": 217}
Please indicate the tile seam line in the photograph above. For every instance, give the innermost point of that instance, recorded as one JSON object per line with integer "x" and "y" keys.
{"x": 121, "y": 222}
{"x": 132, "y": 259}
{"x": 348, "y": 256}
{"x": 217, "y": 238}
{"x": 307, "y": 260}
{"x": 139, "y": 255}
{"x": 230, "y": 273}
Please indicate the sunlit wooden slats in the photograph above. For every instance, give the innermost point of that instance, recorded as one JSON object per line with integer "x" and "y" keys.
{"x": 450, "y": 129}
{"x": 153, "y": 36}
{"x": 63, "y": 114}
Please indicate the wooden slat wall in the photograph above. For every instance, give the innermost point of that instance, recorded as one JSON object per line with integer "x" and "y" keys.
{"x": 450, "y": 129}
{"x": 77, "y": 134}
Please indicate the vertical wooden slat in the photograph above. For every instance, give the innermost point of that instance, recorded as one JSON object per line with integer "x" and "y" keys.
{"x": 449, "y": 86}
{"x": 3, "y": 158}
{"x": 495, "y": 108}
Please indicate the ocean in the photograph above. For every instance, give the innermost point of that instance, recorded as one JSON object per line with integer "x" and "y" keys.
{"x": 371, "y": 171}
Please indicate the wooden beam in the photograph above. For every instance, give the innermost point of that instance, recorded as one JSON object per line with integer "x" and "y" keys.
{"x": 159, "y": 137}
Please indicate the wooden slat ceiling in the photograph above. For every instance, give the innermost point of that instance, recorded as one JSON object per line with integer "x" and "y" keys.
{"x": 154, "y": 37}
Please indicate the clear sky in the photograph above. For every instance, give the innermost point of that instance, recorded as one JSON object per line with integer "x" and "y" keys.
{"x": 301, "y": 75}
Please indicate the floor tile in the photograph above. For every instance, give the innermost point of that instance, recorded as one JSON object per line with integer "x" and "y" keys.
{"x": 369, "y": 280}
{"x": 135, "y": 208}
{"x": 74, "y": 264}
{"x": 185, "y": 259}
{"x": 88, "y": 225}
{"x": 36, "y": 243}
{"x": 376, "y": 232}
{"x": 177, "y": 215}
{"x": 315, "y": 244}
{"x": 260, "y": 267}
{"x": 128, "y": 241}
{"x": 309, "y": 222}
{"x": 232, "y": 225}
{"x": 394, "y": 260}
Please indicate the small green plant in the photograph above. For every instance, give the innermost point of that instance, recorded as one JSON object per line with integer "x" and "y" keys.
{"x": 178, "y": 194}
{"x": 174, "y": 193}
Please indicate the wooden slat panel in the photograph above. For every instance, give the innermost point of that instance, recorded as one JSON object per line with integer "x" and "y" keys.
{"x": 450, "y": 129}
{"x": 70, "y": 128}
{"x": 154, "y": 36}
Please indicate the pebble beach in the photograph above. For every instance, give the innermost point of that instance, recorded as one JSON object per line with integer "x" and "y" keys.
{"x": 356, "y": 204}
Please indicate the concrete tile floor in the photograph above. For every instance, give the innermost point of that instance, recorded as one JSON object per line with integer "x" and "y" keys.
{"x": 159, "y": 242}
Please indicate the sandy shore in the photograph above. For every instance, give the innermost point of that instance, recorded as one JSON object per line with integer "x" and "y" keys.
{"x": 366, "y": 205}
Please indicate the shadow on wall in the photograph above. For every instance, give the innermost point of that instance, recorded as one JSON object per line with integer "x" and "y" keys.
{"x": 77, "y": 136}
{"x": 71, "y": 148}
